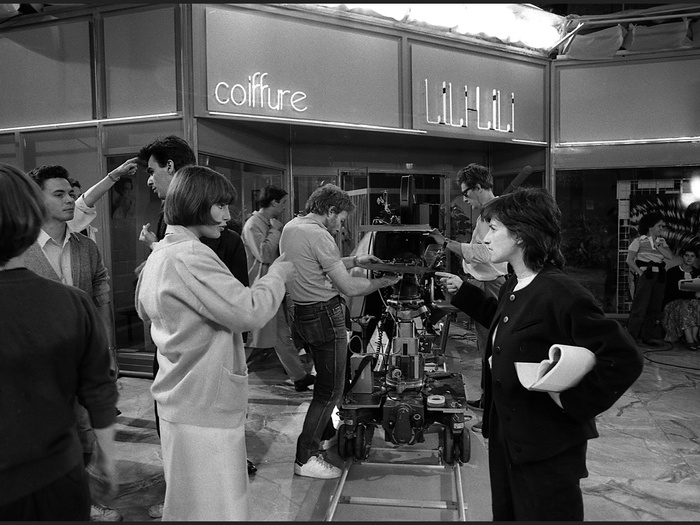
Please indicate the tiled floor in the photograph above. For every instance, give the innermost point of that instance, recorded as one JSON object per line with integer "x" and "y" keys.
{"x": 645, "y": 466}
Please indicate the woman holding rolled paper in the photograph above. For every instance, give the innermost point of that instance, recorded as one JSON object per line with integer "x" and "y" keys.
{"x": 538, "y": 439}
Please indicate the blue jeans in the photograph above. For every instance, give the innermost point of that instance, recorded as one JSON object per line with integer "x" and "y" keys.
{"x": 323, "y": 327}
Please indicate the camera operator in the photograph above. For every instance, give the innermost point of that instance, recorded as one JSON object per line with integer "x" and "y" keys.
{"x": 320, "y": 315}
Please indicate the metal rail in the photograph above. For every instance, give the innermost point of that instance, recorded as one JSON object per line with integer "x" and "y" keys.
{"x": 338, "y": 497}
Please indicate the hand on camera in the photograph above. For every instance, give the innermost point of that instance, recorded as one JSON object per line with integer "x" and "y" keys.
{"x": 449, "y": 282}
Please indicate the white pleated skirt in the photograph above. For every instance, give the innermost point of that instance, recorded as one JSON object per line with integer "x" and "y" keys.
{"x": 206, "y": 477}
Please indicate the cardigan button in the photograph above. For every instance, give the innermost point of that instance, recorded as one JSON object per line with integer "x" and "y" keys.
{"x": 512, "y": 297}
{"x": 505, "y": 319}
{"x": 497, "y": 349}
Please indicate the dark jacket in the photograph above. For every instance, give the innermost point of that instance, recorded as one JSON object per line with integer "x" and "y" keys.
{"x": 54, "y": 349}
{"x": 552, "y": 309}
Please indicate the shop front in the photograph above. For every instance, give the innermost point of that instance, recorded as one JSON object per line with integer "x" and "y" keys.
{"x": 268, "y": 94}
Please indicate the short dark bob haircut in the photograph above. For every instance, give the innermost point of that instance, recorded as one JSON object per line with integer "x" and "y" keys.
{"x": 270, "y": 193}
{"x": 329, "y": 196}
{"x": 192, "y": 193}
{"x": 531, "y": 215}
{"x": 22, "y": 212}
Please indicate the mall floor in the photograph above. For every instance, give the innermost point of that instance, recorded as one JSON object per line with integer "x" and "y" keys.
{"x": 645, "y": 466}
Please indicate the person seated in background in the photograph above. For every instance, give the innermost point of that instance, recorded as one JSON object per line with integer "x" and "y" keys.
{"x": 54, "y": 350}
{"x": 681, "y": 315}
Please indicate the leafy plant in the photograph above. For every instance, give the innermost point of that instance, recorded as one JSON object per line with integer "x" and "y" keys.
{"x": 586, "y": 242}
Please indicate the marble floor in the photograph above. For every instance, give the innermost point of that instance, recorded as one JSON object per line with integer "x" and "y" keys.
{"x": 645, "y": 466}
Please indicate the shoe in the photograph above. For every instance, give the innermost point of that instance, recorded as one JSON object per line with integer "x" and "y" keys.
{"x": 252, "y": 469}
{"x": 327, "y": 444}
{"x": 302, "y": 384}
{"x": 100, "y": 513}
{"x": 156, "y": 511}
{"x": 317, "y": 467}
{"x": 476, "y": 427}
{"x": 694, "y": 346}
{"x": 475, "y": 403}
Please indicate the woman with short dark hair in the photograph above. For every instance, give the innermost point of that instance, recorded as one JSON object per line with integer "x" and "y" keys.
{"x": 54, "y": 350}
{"x": 537, "y": 440}
{"x": 198, "y": 311}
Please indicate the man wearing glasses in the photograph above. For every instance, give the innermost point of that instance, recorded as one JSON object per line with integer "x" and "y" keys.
{"x": 476, "y": 183}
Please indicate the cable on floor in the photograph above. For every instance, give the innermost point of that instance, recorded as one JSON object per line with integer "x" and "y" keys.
{"x": 668, "y": 347}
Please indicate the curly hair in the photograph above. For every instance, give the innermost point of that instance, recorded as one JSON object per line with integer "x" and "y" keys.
{"x": 326, "y": 197}
{"x": 43, "y": 173}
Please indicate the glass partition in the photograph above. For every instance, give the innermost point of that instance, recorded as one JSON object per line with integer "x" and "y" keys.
{"x": 46, "y": 75}
{"x": 141, "y": 63}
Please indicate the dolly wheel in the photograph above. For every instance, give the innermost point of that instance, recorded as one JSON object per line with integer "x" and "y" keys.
{"x": 344, "y": 444}
{"x": 448, "y": 446}
{"x": 465, "y": 446}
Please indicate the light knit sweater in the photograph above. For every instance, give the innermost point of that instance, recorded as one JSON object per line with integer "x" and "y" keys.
{"x": 198, "y": 311}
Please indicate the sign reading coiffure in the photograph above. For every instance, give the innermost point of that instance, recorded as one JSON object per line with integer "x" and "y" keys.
{"x": 260, "y": 64}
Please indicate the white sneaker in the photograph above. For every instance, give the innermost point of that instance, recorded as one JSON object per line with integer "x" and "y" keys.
{"x": 156, "y": 511}
{"x": 328, "y": 444}
{"x": 317, "y": 467}
{"x": 102, "y": 513}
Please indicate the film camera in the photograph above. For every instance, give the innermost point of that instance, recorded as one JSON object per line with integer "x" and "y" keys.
{"x": 398, "y": 379}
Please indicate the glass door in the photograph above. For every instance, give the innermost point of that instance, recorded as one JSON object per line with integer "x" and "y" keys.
{"x": 131, "y": 205}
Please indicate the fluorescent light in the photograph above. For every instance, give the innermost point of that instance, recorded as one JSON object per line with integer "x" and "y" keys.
{"x": 317, "y": 122}
{"x": 60, "y": 125}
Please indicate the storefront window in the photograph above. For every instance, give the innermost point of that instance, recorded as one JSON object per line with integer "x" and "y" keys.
{"x": 131, "y": 204}
{"x": 74, "y": 149}
{"x": 600, "y": 209}
{"x": 8, "y": 152}
{"x": 248, "y": 179}
{"x": 46, "y": 75}
{"x": 140, "y": 63}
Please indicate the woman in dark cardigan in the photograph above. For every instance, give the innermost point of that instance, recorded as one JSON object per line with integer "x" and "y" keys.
{"x": 537, "y": 440}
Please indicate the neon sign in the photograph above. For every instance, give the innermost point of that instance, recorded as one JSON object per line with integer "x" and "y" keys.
{"x": 446, "y": 118}
{"x": 256, "y": 93}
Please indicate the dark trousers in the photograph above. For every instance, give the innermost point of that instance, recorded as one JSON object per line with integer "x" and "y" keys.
{"x": 323, "y": 327}
{"x": 647, "y": 306}
{"x": 66, "y": 499}
{"x": 547, "y": 490}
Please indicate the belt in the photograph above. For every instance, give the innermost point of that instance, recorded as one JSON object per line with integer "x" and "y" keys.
{"x": 322, "y": 305}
